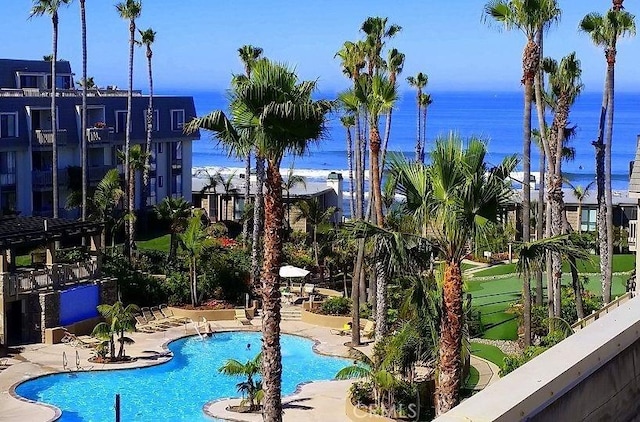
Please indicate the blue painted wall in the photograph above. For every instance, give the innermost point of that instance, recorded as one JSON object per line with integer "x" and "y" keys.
{"x": 78, "y": 304}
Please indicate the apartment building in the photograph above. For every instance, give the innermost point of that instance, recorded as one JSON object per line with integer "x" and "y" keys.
{"x": 26, "y": 138}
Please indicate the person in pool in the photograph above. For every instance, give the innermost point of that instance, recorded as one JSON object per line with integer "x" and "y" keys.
{"x": 248, "y": 346}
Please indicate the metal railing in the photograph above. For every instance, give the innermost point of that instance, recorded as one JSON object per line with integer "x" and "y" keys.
{"x": 97, "y": 135}
{"x": 54, "y": 277}
{"x": 595, "y": 315}
{"x": 39, "y": 92}
{"x": 45, "y": 137}
{"x": 631, "y": 240}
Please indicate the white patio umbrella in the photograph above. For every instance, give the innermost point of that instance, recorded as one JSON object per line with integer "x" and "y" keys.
{"x": 289, "y": 271}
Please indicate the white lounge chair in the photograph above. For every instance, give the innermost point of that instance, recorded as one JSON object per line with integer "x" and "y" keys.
{"x": 241, "y": 317}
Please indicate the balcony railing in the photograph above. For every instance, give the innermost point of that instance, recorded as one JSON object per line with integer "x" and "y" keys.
{"x": 99, "y": 135}
{"x": 39, "y": 92}
{"x": 53, "y": 278}
{"x": 95, "y": 174}
{"x": 45, "y": 137}
{"x": 44, "y": 178}
{"x": 631, "y": 239}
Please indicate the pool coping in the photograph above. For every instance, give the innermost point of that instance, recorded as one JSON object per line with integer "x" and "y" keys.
{"x": 165, "y": 347}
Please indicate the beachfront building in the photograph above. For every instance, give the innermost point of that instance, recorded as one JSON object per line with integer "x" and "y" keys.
{"x": 228, "y": 205}
{"x": 26, "y": 135}
{"x": 41, "y": 291}
{"x": 634, "y": 193}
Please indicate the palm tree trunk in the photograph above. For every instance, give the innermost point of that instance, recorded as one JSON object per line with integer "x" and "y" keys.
{"x": 387, "y": 132}
{"x": 195, "y": 282}
{"x": 540, "y": 226}
{"x": 526, "y": 162}
{"x": 381, "y": 301}
{"x": 172, "y": 245}
{"x": 131, "y": 219}
{"x": 602, "y": 206}
{"x": 374, "y": 177}
{"x": 271, "y": 353}
{"x": 127, "y": 138}
{"x": 192, "y": 282}
{"x": 247, "y": 192}
{"x": 145, "y": 175}
{"x": 355, "y": 295}
{"x": 315, "y": 245}
{"x": 83, "y": 136}
{"x": 577, "y": 287}
{"x": 359, "y": 170}
{"x": 54, "y": 126}
{"x": 352, "y": 205}
{"x": 424, "y": 133}
{"x": 607, "y": 169}
{"x": 257, "y": 222}
{"x": 419, "y": 132}
{"x": 526, "y": 299}
{"x": 450, "y": 348}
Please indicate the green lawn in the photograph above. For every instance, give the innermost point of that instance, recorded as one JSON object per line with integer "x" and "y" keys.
{"x": 160, "y": 243}
{"x": 488, "y": 352}
{"x": 468, "y": 266}
{"x": 23, "y": 260}
{"x": 621, "y": 263}
{"x": 472, "y": 378}
{"x": 492, "y": 298}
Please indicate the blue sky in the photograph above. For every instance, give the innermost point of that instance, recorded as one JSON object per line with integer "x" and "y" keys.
{"x": 196, "y": 44}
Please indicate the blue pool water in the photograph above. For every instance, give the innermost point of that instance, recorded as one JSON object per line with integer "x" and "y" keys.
{"x": 178, "y": 389}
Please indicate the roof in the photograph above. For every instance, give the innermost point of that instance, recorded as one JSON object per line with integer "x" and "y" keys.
{"x": 9, "y": 67}
{"x": 618, "y": 197}
{"x": 18, "y": 231}
{"x": 310, "y": 190}
{"x": 634, "y": 180}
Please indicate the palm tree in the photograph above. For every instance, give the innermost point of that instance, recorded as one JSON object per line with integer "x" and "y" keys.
{"x": 249, "y": 369}
{"x": 229, "y": 191}
{"x": 277, "y": 115}
{"x": 580, "y": 193}
{"x": 376, "y": 30}
{"x": 291, "y": 182}
{"x": 147, "y": 38}
{"x": 395, "y": 63}
{"x": 378, "y": 95}
{"x": 129, "y": 10}
{"x": 425, "y": 102}
{"x": 118, "y": 320}
{"x": 176, "y": 211}
{"x": 248, "y": 55}
{"x": 193, "y": 241}
{"x": 348, "y": 121}
{"x": 455, "y": 196}
{"x": 50, "y": 8}
{"x": 106, "y": 197}
{"x": 605, "y": 30}
{"x": 316, "y": 216}
{"x": 91, "y": 84}
{"x": 83, "y": 147}
{"x": 137, "y": 159}
{"x": 419, "y": 82}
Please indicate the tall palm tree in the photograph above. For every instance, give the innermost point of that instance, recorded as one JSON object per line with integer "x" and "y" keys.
{"x": 147, "y": 38}
{"x": 193, "y": 241}
{"x": 229, "y": 191}
{"x": 378, "y": 95}
{"x": 348, "y": 121}
{"x": 50, "y": 8}
{"x": 395, "y": 63}
{"x": 105, "y": 198}
{"x": 455, "y": 197}
{"x": 277, "y": 114}
{"x": 316, "y": 216}
{"x": 176, "y": 211}
{"x": 129, "y": 10}
{"x": 248, "y": 55}
{"x": 605, "y": 31}
{"x": 419, "y": 82}
{"x": 83, "y": 136}
{"x": 376, "y": 31}
{"x": 137, "y": 159}
{"x": 291, "y": 182}
{"x": 213, "y": 180}
{"x": 425, "y": 102}
{"x": 580, "y": 193}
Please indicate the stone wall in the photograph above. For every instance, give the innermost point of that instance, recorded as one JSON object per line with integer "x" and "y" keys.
{"x": 108, "y": 290}
{"x": 50, "y": 311}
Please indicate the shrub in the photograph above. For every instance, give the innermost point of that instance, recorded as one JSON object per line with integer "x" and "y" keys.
{"x": 360, "y": 393}
{"x": 336, "y": 306}
{"x": 511, "y": 363}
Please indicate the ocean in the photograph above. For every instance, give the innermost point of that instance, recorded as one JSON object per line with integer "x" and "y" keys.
{"x": 495, "y": 117}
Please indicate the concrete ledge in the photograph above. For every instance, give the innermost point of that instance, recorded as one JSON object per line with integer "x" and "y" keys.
{"x": 591, "y": 375}
{"x": 329, "y": 321}
{"x": 356, "y": 414}
{"x": 211, "y": 315}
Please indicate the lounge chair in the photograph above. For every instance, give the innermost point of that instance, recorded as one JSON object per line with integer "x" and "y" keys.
{"x": 4, "y": 364}
{"x": 86, "y": 342}
{"x": 309, "y": 289}
{"x": 151, "y": 318}
{"x": 366, "y": 331}
{"x": 147, "y": 327}
{"x": 168, "y": 313}
{"x": 241, "y": 316}
{"x": 163, "y": 319}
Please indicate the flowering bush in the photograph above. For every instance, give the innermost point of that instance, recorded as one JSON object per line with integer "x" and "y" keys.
{"x": 99, "y": 125}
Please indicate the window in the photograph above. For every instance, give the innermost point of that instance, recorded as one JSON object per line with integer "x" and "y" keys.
{"x": 238, "y": 208}
{"x": 160, "y": 148}
{"x": 8, "y": 201}
{"x": 8, "y": 125}
{"x": 31, "y": 81}
{"x": 177, "y": 120}
{"x": 176, "y": 151}
{"x": 588, "y": 220}
{"x": 156, "y": 120}
{"x": 160, "y": 182}
{"x": 7, "y": 168}
{"x": 176, "y": 184}
{"x": 151, "y": 200}
{"x": 121, "y": 121}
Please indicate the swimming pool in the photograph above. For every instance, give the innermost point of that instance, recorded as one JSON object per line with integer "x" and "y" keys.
{"x": 176, "y": 390}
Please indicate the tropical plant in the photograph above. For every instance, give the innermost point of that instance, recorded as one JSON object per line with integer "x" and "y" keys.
{"x": 193, "y": 241}
{"x": 376, "y": 31}
{"x": 50, "y": 8}
{"x": 129, "y": 10}
{"x": 177, "y": 212}
{"x": 419, "y": 82}
{"x": 106, "y": 197}
{"x": 251, "y": 388}
{"x": 348, "y": 121}
{"x": 274, "y": 113}
{"x": 394, "y": 65}
{"x": 289, "y": 183}
{"x": 580, "y": 193}
{"x": 605, "y": 31}
{"x": 229, "y": 191}
{"x": 248, "y": 55}
{"x": 455, "y": 197}
{"x": 137, "y": 159}
{"x": 147, "y": 38}
{"x": 316, "y": 216}
{"x": 119, "y": 319}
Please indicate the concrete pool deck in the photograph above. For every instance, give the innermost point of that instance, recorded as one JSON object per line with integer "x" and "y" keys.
{"x": 317, "y": 401}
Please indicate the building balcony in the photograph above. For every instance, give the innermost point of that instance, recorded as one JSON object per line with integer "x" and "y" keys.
{"x": 54, "y": 277}
{"x": 7, "y": 179}
{"x": 176, "y": 164}
{"x": 97, "y": 135}
{"x": 44, "y": 178}
{"x": 96, "y": 174}
{"x": 45, "y": 137}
